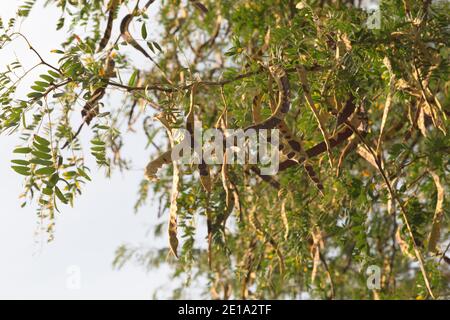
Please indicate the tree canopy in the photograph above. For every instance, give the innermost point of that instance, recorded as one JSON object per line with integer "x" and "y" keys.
{"x": 359, "y": 206}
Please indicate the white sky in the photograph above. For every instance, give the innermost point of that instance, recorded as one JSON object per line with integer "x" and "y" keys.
{"x": 86, "y": 236}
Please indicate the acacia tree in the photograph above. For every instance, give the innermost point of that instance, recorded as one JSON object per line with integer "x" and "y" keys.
{"x": 361, "y": 102}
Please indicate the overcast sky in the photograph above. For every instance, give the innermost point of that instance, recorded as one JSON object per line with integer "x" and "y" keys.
{"x": 86, "y": 236}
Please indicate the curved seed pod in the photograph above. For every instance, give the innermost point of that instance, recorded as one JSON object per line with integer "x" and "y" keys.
{"x": 154, "y": 165}
{"x": 282, "y": 196}
{"x": 296, "y": 146}
{"x": 200, "y": 6}
{"x": 321, "y": 147}
{"x": 294, "y": 150}
{"x": 422, "y": 121}
{"x": 128, "y": 38}
{"x": 205, "y": 178}
{"x": 173, "y": 239}
{"x": 249, "y": 259}
{"x": 222, "y": 124}
{"x": 387, "y": 104}
{"x": 149, "y": 2}
{"x": 269, "y": 179}
{"x": 351, "y": 145}
{"x": 107, "y": 34}
{"x": 173, "y": 210}
{"x": 432, "y": 105}
{"x": 403, "y": 245}
{"x": 315, "y": 251}
{"x": 284, "y": 102}
{"x": 306, "y": 91}
{"x": 346, "y": 112}
{"x": 91, "y": 109}
{"x": 313, "y": 176}
{"x": 150, "y": 173}
{"x": 435, "y": 232}
{"x": 364, "y": 152}
{"x": 226, "y": 187}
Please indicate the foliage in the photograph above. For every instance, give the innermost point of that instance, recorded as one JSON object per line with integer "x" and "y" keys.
{"x": 369, "y": 106}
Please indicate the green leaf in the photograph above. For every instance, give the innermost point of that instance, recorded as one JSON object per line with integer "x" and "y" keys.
{"x": 97, "y": 142}
{"x": 41, "y": 162}
{"x": 38, "y": 88}
{"x": 144, "y": 31}
{"x": 41, "y": 155}
{"x": 53, "y": 180}
{"x": 45, "y": 171}
{"x": 83, "y": 174}
{"x": 21, "y": 162}
{"x": 60, "y": 195}
{"x": 41, "y": 147}
{"x": 98, "y": 149}
{"x": 34, "y": 95}
{"x": 231, "y": 52}
{"x": 60, "y": 23}
{"x": 157, "y": 46}
{"x": 99, "y": 156}
{"x": 150, "y": 46}
{"x": 41, "y": 140}
{"x": 22, "y": 150}
{"x": 42, "y": 84}
{"x": 132, "y": 81}
{"x": 47, "y": 191}
{"x": 53, "y": 73}
{"x": 69, "y": 174}
{"x": 47, "y": 78}
{"x": 25, "y": 171}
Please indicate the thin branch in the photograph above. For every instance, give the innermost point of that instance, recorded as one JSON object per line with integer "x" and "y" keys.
{"x": 36, "y": 52}
{"x": 163, "y": 88}
{"x": 395, "y": 197}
